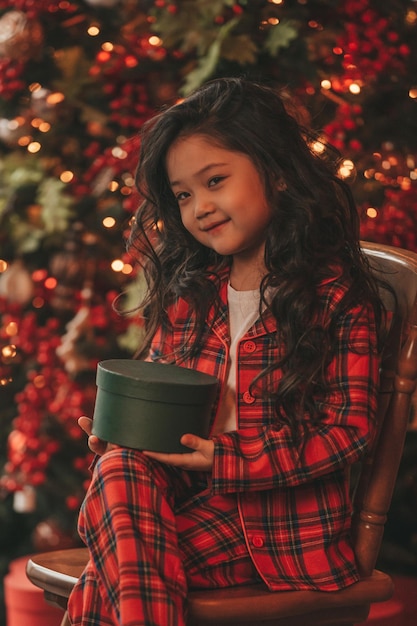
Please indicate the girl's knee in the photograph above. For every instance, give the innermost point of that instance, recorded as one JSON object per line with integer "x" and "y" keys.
{"x": 132, "y": 466}
{"x": 122, "y": 457}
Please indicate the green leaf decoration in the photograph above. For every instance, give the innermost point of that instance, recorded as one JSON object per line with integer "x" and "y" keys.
{"x": 207, "y": 65}
{"x": 193, "y": 27}
{"x": 241, "y": 49}
{"x": 56, "y": 205}
{"x": 73, "y": 65}
{"x": 280, "y": 36}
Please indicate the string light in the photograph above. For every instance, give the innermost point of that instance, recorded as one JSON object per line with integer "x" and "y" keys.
{"x": 109, "y": 222}
{"x": 55, "y": 98}
{"x": 44, "y": 127}
{"x": 67, "y": 176}
{"x": 411, "y": 17}
{"x": 404, "y": 182}
{"x": 318, "y": 147}
{"x": 347, "y": 168}
{"x": 50, "y": 283}
{"x": 39, "y": 275}
{"x": 33, "y": 147}
{"x": 11, "y": 329}
{"x": 16, "y": 123}
{"x": 155, "y": 41}
{"x": 103, "y": 56}
{"x": 131, "y": 61}
{"x": 24, "y": 141}
{"x": 127, "y": 269}
{"x": 119, "y": 153}
{"x": 128, "y": 179}
{"x": 93, "y": 30}
{"x": 117, "y": 265}
{"x": 354, "y": 88}
{"x": 8, "y": 353}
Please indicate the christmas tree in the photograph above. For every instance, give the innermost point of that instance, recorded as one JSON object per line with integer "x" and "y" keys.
{"x": 78, "y": 78}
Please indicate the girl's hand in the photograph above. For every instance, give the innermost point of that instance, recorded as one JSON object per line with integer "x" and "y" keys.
{"x": 96, "y": 445}
{"x": 201, "y": 459}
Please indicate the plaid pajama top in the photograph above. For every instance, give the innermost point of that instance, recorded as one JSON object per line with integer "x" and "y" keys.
{"x": 293, "y": 502}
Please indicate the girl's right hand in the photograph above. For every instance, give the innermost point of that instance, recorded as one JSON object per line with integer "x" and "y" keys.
{"x": 96, "y": 445}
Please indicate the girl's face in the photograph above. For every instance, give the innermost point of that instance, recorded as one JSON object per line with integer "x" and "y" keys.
{"x": 221, "y": 197}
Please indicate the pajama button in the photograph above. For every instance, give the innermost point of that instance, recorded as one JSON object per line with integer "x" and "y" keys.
{"x": 248, "y": 398}
{"x": 257, "y": 541}
{"x": 249, "y": 346}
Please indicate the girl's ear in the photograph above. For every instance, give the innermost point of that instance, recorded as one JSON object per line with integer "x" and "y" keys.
{"x": 281, "y": 185}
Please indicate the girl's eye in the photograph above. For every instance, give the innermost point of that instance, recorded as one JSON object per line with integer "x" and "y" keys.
{"x": 182, "y": 196}
{"x": 215, "y": 180}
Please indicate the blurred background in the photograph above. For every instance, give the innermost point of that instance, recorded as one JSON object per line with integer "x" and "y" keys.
{"x": 77, "y": 80}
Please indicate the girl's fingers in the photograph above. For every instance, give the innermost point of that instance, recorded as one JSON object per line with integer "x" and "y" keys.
{"x": 86, "y": 423}
{"x": 96, "y": 445}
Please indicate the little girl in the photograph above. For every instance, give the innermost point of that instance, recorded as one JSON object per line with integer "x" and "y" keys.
{"x": 249, "y": 245}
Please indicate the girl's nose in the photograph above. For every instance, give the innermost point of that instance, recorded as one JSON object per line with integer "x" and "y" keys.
{"x": 203, "y": 206}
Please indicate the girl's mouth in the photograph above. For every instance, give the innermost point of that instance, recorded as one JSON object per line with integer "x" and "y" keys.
{"x": 214, "y": 226}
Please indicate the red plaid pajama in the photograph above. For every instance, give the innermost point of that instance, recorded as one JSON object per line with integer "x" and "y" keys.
{"x": 150, "y": 540}
{"x": 151, "y": 530}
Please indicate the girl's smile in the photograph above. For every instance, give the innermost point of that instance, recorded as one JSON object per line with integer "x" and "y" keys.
{"x": 221, "y": 199}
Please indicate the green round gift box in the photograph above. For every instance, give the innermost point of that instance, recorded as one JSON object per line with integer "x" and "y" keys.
{"x": 149, "y": 405}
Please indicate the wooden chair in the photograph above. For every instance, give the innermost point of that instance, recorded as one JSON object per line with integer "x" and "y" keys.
{"x": 56, "y": 572}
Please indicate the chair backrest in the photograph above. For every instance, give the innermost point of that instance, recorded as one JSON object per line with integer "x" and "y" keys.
{"x": 398, "y": 376}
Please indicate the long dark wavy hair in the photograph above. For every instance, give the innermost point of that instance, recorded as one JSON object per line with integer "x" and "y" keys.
{"x": 314, "y": 228}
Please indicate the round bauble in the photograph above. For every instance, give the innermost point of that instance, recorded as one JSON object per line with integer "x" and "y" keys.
{"x": 20, "y": 38}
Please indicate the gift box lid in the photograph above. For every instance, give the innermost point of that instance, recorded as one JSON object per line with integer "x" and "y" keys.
{"x": 156, "y": 382}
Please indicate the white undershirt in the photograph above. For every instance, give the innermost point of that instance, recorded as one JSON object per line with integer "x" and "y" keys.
{"x": 243, "y": 313}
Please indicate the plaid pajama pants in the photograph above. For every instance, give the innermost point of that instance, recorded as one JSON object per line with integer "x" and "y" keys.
{"x": 153, "y": 531}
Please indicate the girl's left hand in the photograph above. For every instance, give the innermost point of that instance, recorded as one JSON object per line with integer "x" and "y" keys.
{"x": 201, "y": 459}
